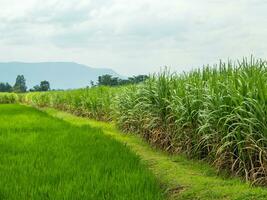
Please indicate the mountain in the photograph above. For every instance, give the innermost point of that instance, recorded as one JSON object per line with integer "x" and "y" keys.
{"x": 61, "y": 75}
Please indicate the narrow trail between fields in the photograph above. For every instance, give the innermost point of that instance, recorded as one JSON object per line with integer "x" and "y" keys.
{"x": 182, "y": 178}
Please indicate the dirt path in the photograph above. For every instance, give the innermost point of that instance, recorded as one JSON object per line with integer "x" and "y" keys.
{"x": 182, "y": 178}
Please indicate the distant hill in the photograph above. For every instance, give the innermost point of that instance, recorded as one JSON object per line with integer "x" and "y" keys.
{"x": 61, "y": 75}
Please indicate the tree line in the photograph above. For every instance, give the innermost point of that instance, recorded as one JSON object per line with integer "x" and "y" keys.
{"x": 20, "y": 86}
{"x": 108, "y": 80}
{"x": 104, "y": 80}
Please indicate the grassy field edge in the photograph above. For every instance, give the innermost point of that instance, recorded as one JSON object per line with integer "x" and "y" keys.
{"x": 44, "y": 157}
{"x": 182, "y": 178}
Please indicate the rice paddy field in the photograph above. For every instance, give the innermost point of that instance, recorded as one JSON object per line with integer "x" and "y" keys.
{"x": 42, "y": 157}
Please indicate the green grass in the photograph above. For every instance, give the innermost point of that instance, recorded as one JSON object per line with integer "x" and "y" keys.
{"x": 42, "y": 157}
{"x": 184, "y": 179}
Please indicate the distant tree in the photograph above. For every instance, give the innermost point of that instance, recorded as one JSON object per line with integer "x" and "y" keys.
{"x": 123, "y": 82}
{"x": 44, "y": 86}
{"x": 20, "y": 85}
{"x": 108, "y": 80}
{"x": 138, "y": 79}
{"x": 35, "y": 88}
{"x": 5, "y": 87}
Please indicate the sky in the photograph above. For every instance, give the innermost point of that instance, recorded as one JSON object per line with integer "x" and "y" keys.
{"x": 133, "y": 37}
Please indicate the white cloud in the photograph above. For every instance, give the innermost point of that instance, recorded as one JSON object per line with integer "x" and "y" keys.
{"x": 132, "y": 36}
